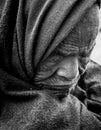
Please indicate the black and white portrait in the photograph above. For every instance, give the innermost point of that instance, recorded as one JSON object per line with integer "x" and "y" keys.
{"x": 50, "y": 65}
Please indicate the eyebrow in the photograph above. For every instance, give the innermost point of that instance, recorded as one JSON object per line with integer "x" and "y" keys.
{"x": 66, "y": 50}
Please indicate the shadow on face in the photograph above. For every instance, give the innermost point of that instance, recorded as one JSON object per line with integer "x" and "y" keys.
{"x": 70, "y": 58}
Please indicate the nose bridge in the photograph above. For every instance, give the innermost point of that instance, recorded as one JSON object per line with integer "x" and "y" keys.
{"x": 69, "y": 68}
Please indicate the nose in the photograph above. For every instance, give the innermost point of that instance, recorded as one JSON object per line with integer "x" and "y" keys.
{"x": 68, "y": 68}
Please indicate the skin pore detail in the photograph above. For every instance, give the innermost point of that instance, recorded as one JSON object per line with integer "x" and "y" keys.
{"x": 64, "y": 66}
{"x": 64, "y": 70}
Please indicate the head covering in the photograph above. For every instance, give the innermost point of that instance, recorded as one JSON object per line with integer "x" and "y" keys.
{"x": 31, "y": 30}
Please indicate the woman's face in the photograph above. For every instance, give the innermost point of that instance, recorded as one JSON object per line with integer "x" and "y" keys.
{"x": 61, "y": 71}
{"x": 69, "y": 60}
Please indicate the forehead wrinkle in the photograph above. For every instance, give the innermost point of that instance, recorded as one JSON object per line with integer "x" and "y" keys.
{"x": 84, "y": 33}
{"x": 67, "y": 49}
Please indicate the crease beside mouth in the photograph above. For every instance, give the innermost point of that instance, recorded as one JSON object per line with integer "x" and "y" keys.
{"x": 60, "y": 88}
{"x": 60, "y": 79}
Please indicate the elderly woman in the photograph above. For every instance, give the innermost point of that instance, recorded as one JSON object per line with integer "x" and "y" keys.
{"x": 47, "y": 80}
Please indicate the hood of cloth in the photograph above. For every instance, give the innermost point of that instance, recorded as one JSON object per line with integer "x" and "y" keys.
{"x": 30, "y": 31}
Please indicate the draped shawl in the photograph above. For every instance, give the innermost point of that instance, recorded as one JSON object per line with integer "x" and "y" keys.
{"x": 30, "y": 31}
{"x": 34, "y": 30}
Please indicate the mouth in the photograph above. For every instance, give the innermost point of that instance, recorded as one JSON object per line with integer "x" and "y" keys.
{"x": 59, "y": 85}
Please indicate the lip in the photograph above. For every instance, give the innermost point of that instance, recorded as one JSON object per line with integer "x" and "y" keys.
{"x": 65, "y": 86}
{"x": 66, "y": 82}
{"x": 59, "y": 87}
{"x": 62, "y": 85}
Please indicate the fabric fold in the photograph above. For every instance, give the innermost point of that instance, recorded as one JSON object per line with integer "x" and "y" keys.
{"x": 38, "y": 31}
{"x": 31, "y": 32}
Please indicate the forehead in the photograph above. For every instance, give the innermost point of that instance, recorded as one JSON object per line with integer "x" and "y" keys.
{"x": 82, "y": 36}
{"x": 74, "y": 50}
